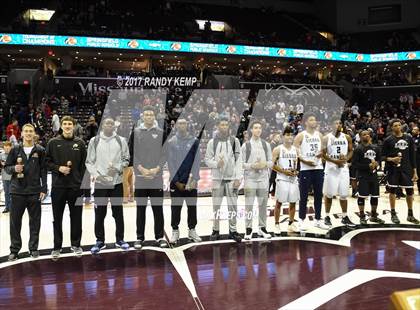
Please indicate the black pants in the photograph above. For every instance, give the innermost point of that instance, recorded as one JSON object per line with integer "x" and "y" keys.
{"x": 101, "y": 200}
{"x": 20, "y": 204}
{"x": 59, "y": 198}
{"x": 418, "y": 174}
{"x": 86, "y": 186}
{"x": 308, "y": 179}
{"x": 177, "y": 200}
{"x": 156, "y": 200}
{"x": 272, "y": 183}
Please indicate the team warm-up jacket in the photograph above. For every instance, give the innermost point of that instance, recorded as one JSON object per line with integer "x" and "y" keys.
{"x": 61, "y": 150}
{"x": 147, "y": 148}
{"x": 184, "y": 158}
{"x": 34, "y": 180}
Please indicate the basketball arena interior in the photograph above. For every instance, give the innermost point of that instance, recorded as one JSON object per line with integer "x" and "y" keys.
{"x": 195, "y": 154}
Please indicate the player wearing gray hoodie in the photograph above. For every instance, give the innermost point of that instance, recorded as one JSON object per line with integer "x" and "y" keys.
{"x": 107, "y": 156}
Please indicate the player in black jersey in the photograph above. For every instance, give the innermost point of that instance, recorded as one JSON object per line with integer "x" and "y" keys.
{"x": 366, "y": 161}
{"x": 399, "y": 152}
{"x": 352, "y": 169}
{"x": 416, "y": 137}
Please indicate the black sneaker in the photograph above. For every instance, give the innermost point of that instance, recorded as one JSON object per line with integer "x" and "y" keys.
{"x": 215, "y": 235}
{"x": 412, "y": 219}
{"x": 395, "y": 219}
{"x": 35, "y": 254}
{"x": 138, "y": 244}
{"x": 235, "y": 236}
{"x": 327, "y": 221}
{"x": 248, "y": 234}
{"x": 376, "y": 219}
{"x": 12, "y": 257}
{"x": 346, "y": 221}
{"x": 162, "y": 243}
{"x": 6, "y": 211}
{"x": 363, "y": 220}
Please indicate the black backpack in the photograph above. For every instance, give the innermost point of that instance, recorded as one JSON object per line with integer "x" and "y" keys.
{"x": 232, "y": 144}
{"x": 96, "y": 141}
{"x": 248, "y": 149}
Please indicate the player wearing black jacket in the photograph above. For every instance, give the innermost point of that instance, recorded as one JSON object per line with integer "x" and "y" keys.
{"x": 147, "y": 156}
{"x": 66, "y": 156}
{"x": 366, "y": 161}
{"x": 26, "y": 164}
{"x": 399, "y": 152}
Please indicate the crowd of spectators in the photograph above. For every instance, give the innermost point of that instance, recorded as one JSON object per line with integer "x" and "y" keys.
{"x": 276, "y": 109}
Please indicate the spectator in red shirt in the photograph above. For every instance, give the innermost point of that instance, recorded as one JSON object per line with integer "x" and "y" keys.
{"x": 13, "y": 127}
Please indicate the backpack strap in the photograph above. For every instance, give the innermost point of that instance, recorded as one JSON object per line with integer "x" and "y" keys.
{"x": 232, "y": 145}
{"x": 96, "y": 141}
{"x": 215, "y": 143}
{"x": 118, "y": 138}
{"x": 248, "y": 149}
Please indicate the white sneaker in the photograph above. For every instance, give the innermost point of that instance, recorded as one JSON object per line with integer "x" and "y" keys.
{"x": 302, "y": 226}
{"x": 175, "y": 236}
{"x": 277, "y": 230}
{"x": 320, "y": 224}
{"x": 192, "y": 235}
{"x": 55, "y": 253}
{"x": 248, "y": 234}
{"x": 293, "y": 228}
{"x": 262, "y": 232}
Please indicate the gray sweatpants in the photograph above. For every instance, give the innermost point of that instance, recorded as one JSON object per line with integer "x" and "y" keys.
{"x": 221, "y": 189}
{"x": 257, "y": 190}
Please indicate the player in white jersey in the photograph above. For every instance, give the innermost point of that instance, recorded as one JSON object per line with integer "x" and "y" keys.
{"x": 311, "y": 175}
{"x": 337, "y": 151}
{"x": 287, "y": 188}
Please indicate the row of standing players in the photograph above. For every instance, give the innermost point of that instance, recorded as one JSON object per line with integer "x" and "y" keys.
{"x": 298, "y": 163}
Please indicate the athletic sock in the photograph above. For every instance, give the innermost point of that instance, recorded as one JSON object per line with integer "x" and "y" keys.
{"x": 373, "y": 210}
{"x": 410, "y": 212}
{"x": 327, "y": 214}
{"x": 344, "y": 214}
